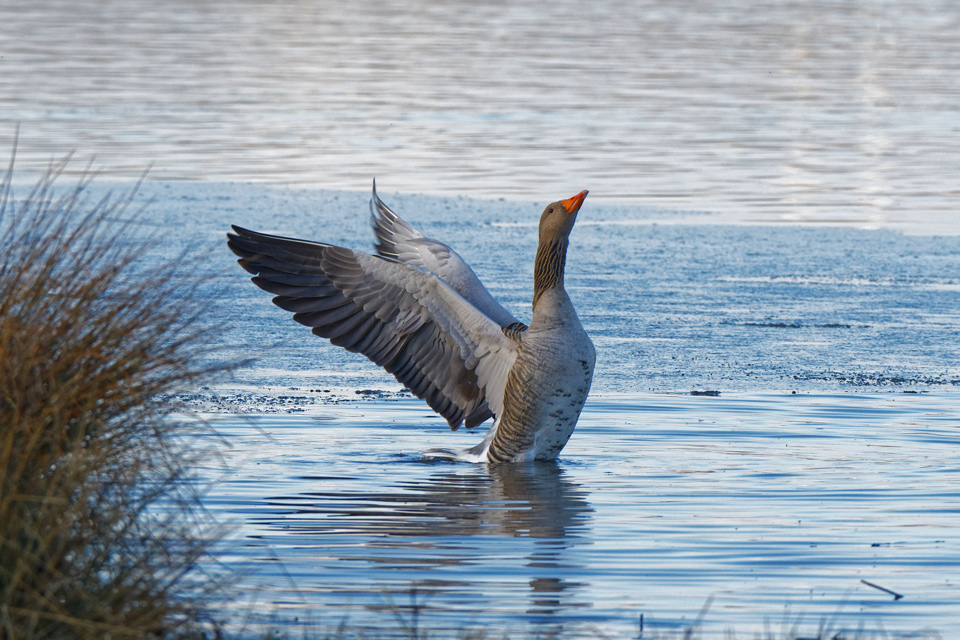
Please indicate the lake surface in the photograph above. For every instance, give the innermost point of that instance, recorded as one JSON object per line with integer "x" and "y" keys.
{"x": 842, "y": 112}
{"x": 771, "y": 508}
{"x": 772, "y": 220}
{"x": 828, "y": 457}
{"x": 674, "y": 303}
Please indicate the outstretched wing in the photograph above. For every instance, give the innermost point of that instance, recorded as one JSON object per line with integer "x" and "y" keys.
{"x": 398, "y": 240}
{"x": 401, "y": 316}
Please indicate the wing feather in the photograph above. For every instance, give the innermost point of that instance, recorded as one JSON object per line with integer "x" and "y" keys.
{"x": 398, "y": 240}
{"x": 401, "y": 316}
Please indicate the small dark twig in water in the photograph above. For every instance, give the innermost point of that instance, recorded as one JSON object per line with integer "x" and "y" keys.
{"x": 688, "y": 634}
{"x": 896, "y": 596}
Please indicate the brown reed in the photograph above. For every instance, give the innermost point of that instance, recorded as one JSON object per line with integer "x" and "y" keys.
{"x": 99, "y": 535}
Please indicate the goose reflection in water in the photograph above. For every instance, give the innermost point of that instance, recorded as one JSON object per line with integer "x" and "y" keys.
{"x": 453, "y": 537}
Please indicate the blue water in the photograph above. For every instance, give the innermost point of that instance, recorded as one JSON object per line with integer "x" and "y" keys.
{"x": 826, "y": 454}
{"x": 673, "y": 302}
{"x": 772, "y": 218}
{"x": 769, "y": 111}
{"x": 828, "y": 457}
{"x": 770, "y": 507}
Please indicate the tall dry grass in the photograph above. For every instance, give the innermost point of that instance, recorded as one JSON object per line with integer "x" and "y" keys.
{"x": 98, "y": 534}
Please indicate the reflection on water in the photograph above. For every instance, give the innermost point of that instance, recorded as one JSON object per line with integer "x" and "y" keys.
{"x": 763, "y": 110}
{"x": 534, "y": 501}
{"x": 429, "y": 523}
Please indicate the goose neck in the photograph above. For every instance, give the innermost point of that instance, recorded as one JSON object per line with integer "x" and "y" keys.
{"x": 548, "y": 267}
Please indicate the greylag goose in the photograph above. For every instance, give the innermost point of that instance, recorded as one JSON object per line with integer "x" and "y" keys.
{"x": 417, "y": 310}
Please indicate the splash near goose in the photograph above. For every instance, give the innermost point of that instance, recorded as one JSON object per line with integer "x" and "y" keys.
{"x": 419, "y": 311}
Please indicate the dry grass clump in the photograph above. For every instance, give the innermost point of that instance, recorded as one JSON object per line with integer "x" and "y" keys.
{"x": 98, "y": 537}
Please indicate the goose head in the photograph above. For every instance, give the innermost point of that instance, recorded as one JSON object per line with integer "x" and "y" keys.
{"x": 558, "y": 218}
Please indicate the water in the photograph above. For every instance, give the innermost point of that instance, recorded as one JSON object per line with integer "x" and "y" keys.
{"x": 772, "y": 217}
{"x": 841, "y": 112}
{"x": 828, "y": 457}
{"x": 771, "y": 507}
{"x": 671, "y": 305}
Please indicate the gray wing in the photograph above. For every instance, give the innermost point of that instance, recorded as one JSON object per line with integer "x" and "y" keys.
{"x": 401, "y": 316}
{"x": 398, "y": 240}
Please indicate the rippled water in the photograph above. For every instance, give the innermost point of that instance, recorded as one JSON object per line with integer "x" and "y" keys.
{"x": 688, "y": 122}
{"x": 673, "y": 304}
{"x": 772, "y": 507}
{"x": 764, "y": 111}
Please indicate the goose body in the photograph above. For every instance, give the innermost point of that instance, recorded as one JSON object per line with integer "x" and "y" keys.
{"x": 419, "y": 311}
{"x": 546, "y": 387}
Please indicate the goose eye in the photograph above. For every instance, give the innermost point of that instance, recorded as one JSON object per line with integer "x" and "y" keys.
{"x": 551, "y": 210}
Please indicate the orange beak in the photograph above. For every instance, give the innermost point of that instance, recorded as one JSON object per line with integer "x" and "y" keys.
{"x": 572, "y": 205}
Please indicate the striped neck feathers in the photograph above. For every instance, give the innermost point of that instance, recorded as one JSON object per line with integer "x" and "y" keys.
{"x": 548, "y": 267}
